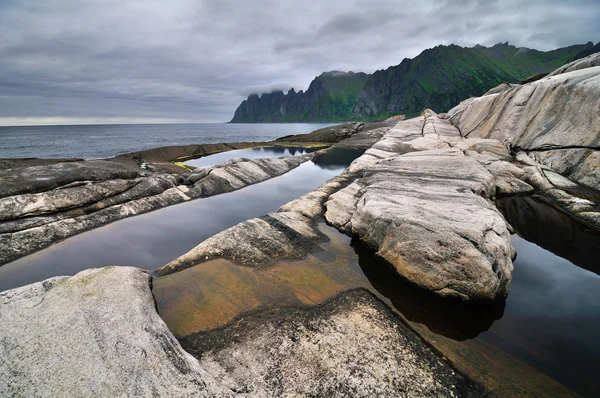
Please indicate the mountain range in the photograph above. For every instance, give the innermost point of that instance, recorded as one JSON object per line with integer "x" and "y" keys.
{"x": 438, "y": 78}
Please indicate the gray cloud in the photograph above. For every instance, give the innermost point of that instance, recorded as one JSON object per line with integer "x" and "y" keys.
{"x": 196, "y": 60}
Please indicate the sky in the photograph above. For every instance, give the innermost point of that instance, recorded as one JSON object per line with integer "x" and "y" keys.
{"x": 118, "y": 61}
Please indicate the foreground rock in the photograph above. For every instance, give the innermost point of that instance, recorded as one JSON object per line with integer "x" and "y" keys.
{"x": 95, "y": 334}
{"x": 351, "y": 346}
{"x": 98, "y": 334}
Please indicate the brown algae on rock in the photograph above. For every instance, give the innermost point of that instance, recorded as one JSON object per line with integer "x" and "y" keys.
{"x": 215, "y": 292}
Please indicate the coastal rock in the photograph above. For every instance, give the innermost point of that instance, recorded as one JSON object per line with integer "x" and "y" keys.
{"x": 98, "y": 333}
{"x": 258, "y": 242}
{"x": 543, "y": 119}
{"x": 351, "y": 346}
{"x": 30, "y": 222}
{"x": 583, "y": 63}
{"x": 428, "y": 214}
{"x": 330, "y": 134}
{"x": 94, "y": 334}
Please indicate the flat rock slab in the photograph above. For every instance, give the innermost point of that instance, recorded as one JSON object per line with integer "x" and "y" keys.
{"x": 95, "y": 334}
{"x": 258, "y": 242}
{"x": 352, "y": 346}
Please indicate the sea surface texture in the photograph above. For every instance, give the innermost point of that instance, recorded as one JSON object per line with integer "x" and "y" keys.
{"x": 105, "y": 140}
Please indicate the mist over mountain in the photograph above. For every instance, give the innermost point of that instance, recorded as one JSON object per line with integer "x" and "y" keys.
{"x": 329, "y": 97}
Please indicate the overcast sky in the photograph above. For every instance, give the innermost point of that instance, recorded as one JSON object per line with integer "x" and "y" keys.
{"x": 86, "y": 61}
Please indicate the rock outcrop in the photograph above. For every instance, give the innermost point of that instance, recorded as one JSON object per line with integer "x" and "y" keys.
{"x": 93, "y": 196}
{"x": 351, "y": 346}
{"x": 98, "y": 334}
{"x": 420, "y": 196}
{"x": 555, "y": 120}
{"x": 95, "y": 334}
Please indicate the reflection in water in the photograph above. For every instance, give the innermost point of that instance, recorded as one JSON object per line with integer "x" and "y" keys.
{"x": 251, "y": 153}
{"x": 213, "y": 293}
{"x": 543, "y": 338}
{"x": 153, "y": 239}
{"x": 450, "y": 318}
{"x": 553, "y": 230}
{"x": 552, "y": 314}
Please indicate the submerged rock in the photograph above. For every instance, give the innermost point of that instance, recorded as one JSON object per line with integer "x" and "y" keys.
{"x": 98, "y": 333}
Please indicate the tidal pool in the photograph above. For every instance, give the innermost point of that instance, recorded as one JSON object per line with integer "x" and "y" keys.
{"x": 153, "y": 239}
{"x": 251, "y": 153}
{"x": 542, "y": 341}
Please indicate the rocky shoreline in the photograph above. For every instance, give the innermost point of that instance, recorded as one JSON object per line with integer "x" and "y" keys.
{"x": 422, "y": 197}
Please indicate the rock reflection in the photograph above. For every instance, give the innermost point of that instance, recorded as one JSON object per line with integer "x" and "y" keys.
{"x": 553, "y": 230}
{"x": 450, "y": 318}
{"x": 250, "y": 153}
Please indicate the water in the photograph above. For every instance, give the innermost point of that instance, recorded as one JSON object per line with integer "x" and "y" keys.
{"x": 252, "y": 153}
{"x": 102, "y": 141}
{"x": 153, "y": 239}
{"x": 542, "y": 341}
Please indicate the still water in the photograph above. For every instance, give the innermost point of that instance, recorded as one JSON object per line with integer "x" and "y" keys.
{"x": 104, "y": 140}
{"x": 252, "y": 153}
{"x": 153, "y": 239}
{"x": 542, "y": 341}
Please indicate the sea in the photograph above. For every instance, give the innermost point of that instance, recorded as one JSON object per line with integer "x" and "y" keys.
{"x": 107, "y": 140}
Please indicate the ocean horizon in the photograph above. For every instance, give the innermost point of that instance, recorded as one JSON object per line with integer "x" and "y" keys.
{"x": 97, "y": 141}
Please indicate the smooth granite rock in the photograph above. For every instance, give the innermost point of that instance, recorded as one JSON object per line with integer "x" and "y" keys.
{"x": 95, "y": 334}
{"x": 258, "y": 242}
{"x": 556, "y": 120}
{"x": 30, "y": 222}
{"x": 429, "y": 215}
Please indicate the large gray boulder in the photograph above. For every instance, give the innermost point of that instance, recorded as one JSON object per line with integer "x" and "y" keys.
{"x": 95, "y": 334}
{"x": 429, "y": 215}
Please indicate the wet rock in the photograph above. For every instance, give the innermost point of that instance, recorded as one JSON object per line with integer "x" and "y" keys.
{"x": 239, "y": 173}
{"x": 21, "y": 243}
{"x": 30, "y": 222}
{"x": 351, "y": 346}
{"x": 258, "y": 242}
{"x": 96, "y": 333}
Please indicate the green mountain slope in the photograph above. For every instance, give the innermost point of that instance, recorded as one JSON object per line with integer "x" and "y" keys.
{"x": 330, "y": 97}
{"x": 438, "y": 78}
{"x": 441, "y": 77}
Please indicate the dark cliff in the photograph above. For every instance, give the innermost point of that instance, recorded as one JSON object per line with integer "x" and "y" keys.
{"x": 330, "y": 97}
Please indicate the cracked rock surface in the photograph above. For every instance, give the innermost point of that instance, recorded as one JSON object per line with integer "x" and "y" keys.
{"x": 555, "y": 120}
